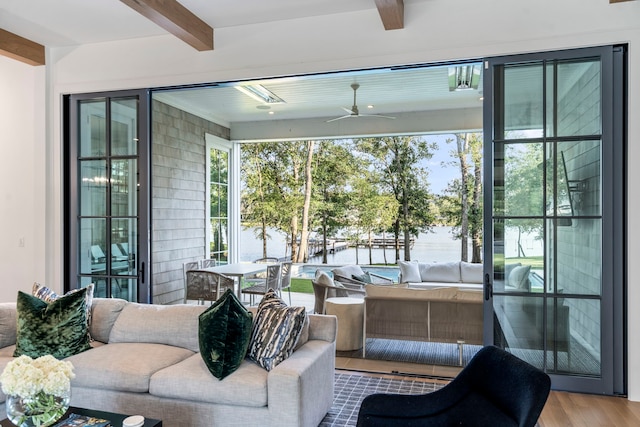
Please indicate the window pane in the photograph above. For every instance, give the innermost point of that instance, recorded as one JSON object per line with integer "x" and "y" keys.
{"x": 92, "y": 129}
{"x": 124, "y": 188}
{"x": 92, "y": 239}
{"x": 523, "y": 173}
{"x": 523, "y": 101}
{"x": 580, "y": 161}
{"x": 579, "y": 98}
{"x": 124, "y": 127}
{"x": 124, "y": 245}
{"x": 93, "y": 187}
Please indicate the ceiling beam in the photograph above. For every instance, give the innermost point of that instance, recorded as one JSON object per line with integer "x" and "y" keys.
{"x": 392, "y": 13}
{"x": 21, "y": 49}
{"x": 176, "y": 19}
{"x": 618, "y": 1}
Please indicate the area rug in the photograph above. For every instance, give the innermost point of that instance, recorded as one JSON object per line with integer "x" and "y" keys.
{"x": 428, "y": 353}
{"x": 351, "y": 389}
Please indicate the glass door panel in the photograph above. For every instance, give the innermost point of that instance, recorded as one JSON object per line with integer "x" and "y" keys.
{"x": 548, "y": 216}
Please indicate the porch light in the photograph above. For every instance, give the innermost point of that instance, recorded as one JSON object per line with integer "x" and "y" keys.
{"x": 464, "y": 77}
{"x": 260, "y": 94}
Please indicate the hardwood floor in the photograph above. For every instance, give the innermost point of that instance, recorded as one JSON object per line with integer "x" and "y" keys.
{"x": 562, "y": 409}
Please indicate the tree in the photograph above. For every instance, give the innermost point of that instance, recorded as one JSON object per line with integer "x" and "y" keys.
{"x": 399, "y": 161}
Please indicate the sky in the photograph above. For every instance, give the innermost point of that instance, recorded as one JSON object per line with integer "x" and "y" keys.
{"x": 440, "y": 176}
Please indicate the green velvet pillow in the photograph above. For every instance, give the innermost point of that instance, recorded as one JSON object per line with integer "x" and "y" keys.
{"x": 58, "y": 328}
{"x": 224, "y": 331}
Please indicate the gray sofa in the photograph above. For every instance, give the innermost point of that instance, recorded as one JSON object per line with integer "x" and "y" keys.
{"x": 463, "y": 275}
{"x": 145, "y": 360}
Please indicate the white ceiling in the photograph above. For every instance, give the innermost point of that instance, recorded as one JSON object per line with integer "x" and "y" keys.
{"x": 56, "y": 23}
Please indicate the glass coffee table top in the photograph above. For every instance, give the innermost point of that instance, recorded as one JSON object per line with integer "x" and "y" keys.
{"x": 116, "y": 419}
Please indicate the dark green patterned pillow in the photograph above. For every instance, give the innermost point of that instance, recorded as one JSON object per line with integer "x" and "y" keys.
{"x": 276, "y": 331}
{"x": 224, "y": 331}
{"x": 58, "y": 328}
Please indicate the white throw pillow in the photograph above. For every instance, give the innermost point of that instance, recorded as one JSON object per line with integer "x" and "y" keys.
{"x": 445, "y": 272}
{"x": 323, "y": 278}
{"x": 519, "y": 277}
{"x": 409, "y": 271}
{"x": 471, "y": 272}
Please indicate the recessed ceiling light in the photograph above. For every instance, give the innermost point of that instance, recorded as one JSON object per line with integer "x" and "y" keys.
{"x": 370, "y": 106}
{"x": 263, "y": 107}
{"x": 272, "y": 112}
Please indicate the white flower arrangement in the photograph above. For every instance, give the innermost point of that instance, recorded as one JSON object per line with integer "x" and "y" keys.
{"x": 26, "y": 377}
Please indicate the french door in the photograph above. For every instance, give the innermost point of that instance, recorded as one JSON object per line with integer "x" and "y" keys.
{"x": 554, "y": 227}
{"x": 106, "y": 186}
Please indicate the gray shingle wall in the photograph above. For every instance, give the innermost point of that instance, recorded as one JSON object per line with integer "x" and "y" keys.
{"x": 178, "y": 196}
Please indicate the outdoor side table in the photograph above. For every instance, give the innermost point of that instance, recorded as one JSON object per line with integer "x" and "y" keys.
{"x": 350, "y": 314}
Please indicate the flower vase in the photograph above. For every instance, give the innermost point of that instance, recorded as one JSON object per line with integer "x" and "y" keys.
{"x": 41, "y": 410}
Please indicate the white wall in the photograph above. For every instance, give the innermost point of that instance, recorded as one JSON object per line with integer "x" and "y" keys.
{"x": 435, "y": 30}
{"x": 22, "y": 148}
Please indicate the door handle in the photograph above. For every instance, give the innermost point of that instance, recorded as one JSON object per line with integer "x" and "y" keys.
{"x": 488, "y": 287}
{"x": 142, "y": 272}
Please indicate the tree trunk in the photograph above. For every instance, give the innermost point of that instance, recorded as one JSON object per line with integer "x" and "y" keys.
{"x": 476, "y": 228}
{"x": 462, "y": 144}
{"x": 304, "y": 234}
{"x": 370, "y": 248}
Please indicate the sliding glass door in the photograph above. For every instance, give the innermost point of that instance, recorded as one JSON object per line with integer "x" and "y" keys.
{"x": 107, "y": 218}
{"x": 554, "y": 250}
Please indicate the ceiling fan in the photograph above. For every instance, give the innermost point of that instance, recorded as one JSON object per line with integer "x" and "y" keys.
{"x": 354, "y": 112}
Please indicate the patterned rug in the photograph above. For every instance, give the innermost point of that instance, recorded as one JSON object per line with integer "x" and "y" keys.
{"x": 351, "y": 389}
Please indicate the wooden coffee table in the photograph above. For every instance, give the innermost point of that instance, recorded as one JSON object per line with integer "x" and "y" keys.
{"x": 116, "y": 419}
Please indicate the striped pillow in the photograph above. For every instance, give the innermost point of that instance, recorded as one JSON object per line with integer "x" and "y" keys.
{"x": 275, "y": 331}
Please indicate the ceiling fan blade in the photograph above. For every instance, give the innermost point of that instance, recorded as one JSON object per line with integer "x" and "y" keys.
{"x": 349, "y": 111}
{"x": 338, "y": 118}
{"x": 377, "y": 115}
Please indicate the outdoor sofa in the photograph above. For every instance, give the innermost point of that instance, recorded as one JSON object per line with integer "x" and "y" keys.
{"x": 144, "y": 359}
{"x": 464, "y": 275}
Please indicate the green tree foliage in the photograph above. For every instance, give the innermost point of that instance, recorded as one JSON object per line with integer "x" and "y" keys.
{"x": 399, "y": 160}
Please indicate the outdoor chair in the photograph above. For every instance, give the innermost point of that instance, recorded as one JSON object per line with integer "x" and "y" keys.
{"x": 187, "y": 266}
{"x": 207, "y": 263}
{"x": 285, "y": 278}
{"x": 206, "y": 285}
{"x": 494, "y": 389}
{"x": 355, "y": 275}
{"x": 261, "y": 286}
{"x": 324, "y": 287}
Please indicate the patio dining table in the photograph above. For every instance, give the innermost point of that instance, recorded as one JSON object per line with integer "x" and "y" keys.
{"x": 239, "y": 271}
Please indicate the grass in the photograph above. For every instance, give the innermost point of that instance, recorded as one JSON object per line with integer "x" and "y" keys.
{"x": 301, "y": 285}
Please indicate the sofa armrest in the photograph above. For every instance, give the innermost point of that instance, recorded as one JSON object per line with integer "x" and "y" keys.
{"x": 323, "y": 327}
{"x": 300, "y": 389}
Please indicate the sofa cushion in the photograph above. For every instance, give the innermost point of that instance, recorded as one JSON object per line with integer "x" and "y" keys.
{"x": 447, "y": 272}
{"x": 508, "y": 268}
{"x": 175, "y": 325}
{"x": 409, "y": 271}
{"x": 471, "y": 272}
{"x": 124, "y": 366}
{"x": 104, "y": 312}
{"x": 276, "y": 331}
{"x": 414, "y": 294}
{"x": 224, "y": 332}
{"x": 8, "y": 324}
{"x": 58, "y": 328}
{"x": 519, "y": 277}
{"x": 247, "y": 386}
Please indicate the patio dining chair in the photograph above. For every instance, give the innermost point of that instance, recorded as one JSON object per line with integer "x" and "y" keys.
{"x": 261, "y": 286}
{"x": 285, "y": 278}
{"x": 207, "y": 263}
{"x": 188, "y": 266}
{"x": 206, "y": 285}
{"x": 325, "y": 287}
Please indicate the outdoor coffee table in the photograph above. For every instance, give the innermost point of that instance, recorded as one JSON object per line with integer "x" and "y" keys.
{"x": 116, "y": 419}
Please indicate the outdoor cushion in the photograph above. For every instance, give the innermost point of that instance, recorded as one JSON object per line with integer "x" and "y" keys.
{"x": 519, "y": 277}
{"x": 224, "y": 334}
{"x": 58, "y": 328}
{"x": 247, "y": 385}
{"x": 124, "y": 366}
{"x": 448, "y": 272}
{"x": 348, "y": 271}
{"x": 471, "y": 272}
{"x": 409, "y": 271}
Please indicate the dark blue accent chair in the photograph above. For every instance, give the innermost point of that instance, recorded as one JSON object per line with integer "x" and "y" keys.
{"x": 495, "y": 389}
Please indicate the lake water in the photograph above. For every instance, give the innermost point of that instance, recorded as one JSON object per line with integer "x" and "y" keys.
{"x": 437, "y": 246}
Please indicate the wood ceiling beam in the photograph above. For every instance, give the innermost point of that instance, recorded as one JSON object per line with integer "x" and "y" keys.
{"x": 176, "y": 19}
{"x": 21, "y": 49}
{"x": 618, "y": 1}
{"x": 392, "y": 13}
